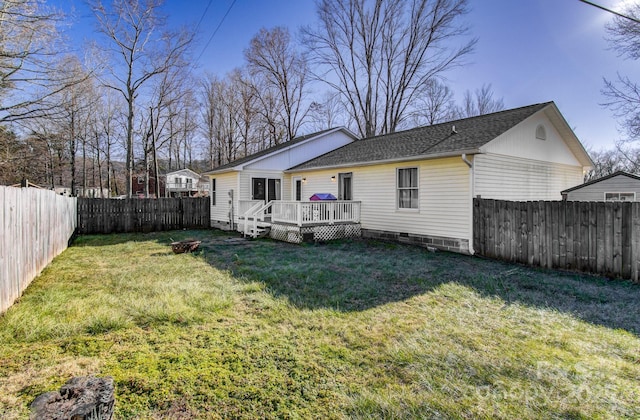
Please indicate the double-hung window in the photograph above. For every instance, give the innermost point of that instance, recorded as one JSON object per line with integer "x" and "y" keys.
{"x": 620, "y": 196}
{"x": 407, "y": 188}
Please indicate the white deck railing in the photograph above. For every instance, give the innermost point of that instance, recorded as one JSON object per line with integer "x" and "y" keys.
{"x": 315, "y": 212}
{"x": 245, "y": 205}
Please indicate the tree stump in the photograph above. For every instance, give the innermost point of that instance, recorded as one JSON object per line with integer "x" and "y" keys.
{"x": 81, "y": 398}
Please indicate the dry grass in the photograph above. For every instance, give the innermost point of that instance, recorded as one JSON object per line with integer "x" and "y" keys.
{"x": 357, "y": 329}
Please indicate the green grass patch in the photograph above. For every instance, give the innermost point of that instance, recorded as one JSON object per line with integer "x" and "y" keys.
{"x": 349, "y": 329}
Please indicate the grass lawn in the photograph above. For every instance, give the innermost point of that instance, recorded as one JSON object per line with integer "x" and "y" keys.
{"x": 350, "y": 329}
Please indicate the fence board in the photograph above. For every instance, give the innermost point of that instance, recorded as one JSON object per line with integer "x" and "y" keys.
{"x": 35, "y": 226}
{"x": 524, "y": 250}
{"x": 627, "y": 230}
{"x": 635, "y": 242}
{"x": 601, "y": 238}
{"x": 592, "y": 216}
{"x": 617, "y": 238}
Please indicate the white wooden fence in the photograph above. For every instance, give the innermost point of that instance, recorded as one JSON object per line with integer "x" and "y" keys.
{"x": 35, "y": 226}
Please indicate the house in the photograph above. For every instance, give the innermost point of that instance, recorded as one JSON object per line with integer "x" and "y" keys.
{"x": 258, "y": 179}
{"x": 417, "y": 186}
{"x": 138, "y": 185}
{"x": 186, "y": 183}
{"x": 618, "y": 186}
{"x": 92, "y": 192}
{"x": 61, "y": 190}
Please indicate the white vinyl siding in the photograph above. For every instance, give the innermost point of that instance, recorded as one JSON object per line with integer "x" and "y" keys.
{"x": 300, "y": 152}
{"x": 213, "y": 192}
{"x": 510, "y": 178}
{"x": 597, "y": 190}
{"x": 314, "y": 183}
{"x": 520, "y": 141}
{"x": 224, "y": 183}
{"x": 444, "y": 197}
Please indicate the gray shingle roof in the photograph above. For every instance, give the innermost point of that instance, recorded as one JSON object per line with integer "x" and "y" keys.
{"x": 268, "y": 151}
{"x": 594, "y": 181}
{"x": 434, "y": 140}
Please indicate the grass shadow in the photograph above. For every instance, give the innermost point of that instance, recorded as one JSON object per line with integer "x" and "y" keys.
{"x": 358, "y": 275}
{"x": 165, "y": 238}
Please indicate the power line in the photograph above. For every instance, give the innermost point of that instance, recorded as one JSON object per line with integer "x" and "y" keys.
{"x": 633, "y": 19}
{"x": 216, "y": 30}
{"x": 203, "y": 14}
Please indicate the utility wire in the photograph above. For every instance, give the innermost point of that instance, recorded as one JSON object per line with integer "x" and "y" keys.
{"x": 611, "y": 11}
{"x": 216, "y": 30}
{"x": 203, "y": 14}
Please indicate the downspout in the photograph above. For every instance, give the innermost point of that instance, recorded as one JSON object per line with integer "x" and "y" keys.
{"x": 472, "y": 191}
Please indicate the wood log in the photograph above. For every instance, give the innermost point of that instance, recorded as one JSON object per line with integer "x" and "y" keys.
{"x": 81, "y": 398}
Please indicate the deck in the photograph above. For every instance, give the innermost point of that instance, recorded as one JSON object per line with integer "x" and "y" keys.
{"x": 300, "y": 221}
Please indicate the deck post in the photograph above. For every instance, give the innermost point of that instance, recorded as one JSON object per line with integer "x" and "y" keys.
{"x": 332, "y": 209}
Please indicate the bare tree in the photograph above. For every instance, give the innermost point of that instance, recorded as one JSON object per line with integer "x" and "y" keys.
{"x": 381, "y": 53}
{"x": 140, "y": 48}
{"x": 435, "y": 105}
{"x": 245, "y": 96}
{"x": 31, "y": 52}
{"x": 271, "y": 130}
{"x": 272, "y": 57}
{"x": 479, "y": 103}
{"x": 608, "y": 161}
{"x": 623, "y": 95}
{"x": 111, "y": 128}
{"x": 210, "y": 88}
{"x": 76, "y": 105}
{"x": 327, "y": 113}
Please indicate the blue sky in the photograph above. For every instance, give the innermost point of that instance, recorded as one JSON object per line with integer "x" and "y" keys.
{"x": 530, "y": 51}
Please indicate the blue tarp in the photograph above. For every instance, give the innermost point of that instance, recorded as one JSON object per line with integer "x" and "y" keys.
{"x": 322, "y": 197}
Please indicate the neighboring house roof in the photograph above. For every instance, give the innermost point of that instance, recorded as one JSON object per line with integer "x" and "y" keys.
{"x": 595, "y": 181}
{"x": 185, "y": 172}
{"x": 466, "y": 135}
{"x": 238, "y": 163}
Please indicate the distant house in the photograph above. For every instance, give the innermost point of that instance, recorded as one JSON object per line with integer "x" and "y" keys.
{"x": 60, "y": 190}
{"x": 414, "y": 186}
{"x": 138, "y": 185}
{"x": 92, "y": 192}
{"x": 618, "y": 186}
{"x": 186, "y": 183}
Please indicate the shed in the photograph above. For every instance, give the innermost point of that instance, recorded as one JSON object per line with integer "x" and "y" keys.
{"x": 618, "y": 186}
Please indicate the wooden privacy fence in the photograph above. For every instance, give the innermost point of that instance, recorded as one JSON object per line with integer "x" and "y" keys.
{"x": 35, "y": 226}
{"x": 97, "y": 215}
{"x": 593, "y": 237}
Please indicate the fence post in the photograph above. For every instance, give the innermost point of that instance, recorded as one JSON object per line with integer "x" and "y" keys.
{"x": 635, "y": 240}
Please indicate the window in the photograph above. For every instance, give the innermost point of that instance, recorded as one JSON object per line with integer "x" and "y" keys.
{"x": 541, "y": 133}
{"x": 213, "y": 192}
{"x": 620, "y": 196}
{"x": 408, "y": 188}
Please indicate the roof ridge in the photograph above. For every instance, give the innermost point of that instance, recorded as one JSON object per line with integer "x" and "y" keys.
{"x": 504, "y": 111}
